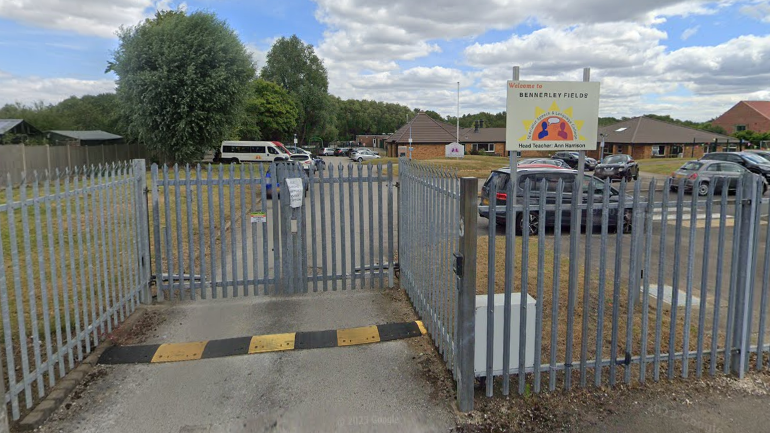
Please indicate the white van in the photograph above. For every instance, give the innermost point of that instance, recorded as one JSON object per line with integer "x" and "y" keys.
{"x": 252, "y": 151}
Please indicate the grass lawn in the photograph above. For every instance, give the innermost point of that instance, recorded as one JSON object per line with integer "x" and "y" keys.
{"x": 661, "y": 165}
{"x": 67, "y": 227}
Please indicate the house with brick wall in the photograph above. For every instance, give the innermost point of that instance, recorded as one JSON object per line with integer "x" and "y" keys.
{"x": 429, "y": 137}
{"x": 644, "y": 137}
{"x": 746, "y": 116}
{"x": 371, "y": 140}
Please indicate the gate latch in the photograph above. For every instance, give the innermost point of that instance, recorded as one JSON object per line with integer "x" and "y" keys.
{"x": 457, "y": 265}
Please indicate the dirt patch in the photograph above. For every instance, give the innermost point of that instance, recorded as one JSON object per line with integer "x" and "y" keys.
{"x": 141, "y": 330}
{"x": 600, "y": 408}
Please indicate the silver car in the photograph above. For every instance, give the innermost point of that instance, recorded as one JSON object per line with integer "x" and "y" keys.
{"x": 364, "y": 155}
{"x": 704, "y": 172}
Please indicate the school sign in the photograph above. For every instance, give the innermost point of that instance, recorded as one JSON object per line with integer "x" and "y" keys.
{"x": 552, "y": 115}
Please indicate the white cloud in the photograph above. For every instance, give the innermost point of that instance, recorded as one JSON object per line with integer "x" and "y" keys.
{"x": 258, "y": 55}
{"x": 688, "y": 33}
{"x": 366, "y": 42}
{"x": 759, "y": 11}
{"x": 31, "y": 89}
{"x": 604, "y": 46}
{"x": 88, "y": 17}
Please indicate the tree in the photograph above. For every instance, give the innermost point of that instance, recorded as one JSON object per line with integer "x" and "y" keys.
{"x": 294, "y": 66}
{"x": 270, "y": 113}
{"x": 181, "y": 82}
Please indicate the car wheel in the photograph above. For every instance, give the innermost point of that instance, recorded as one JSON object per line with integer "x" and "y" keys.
{"x": 703, "y": 189}
{"x": 628, "y": 220}
{"x": 625, "y": 224}
{"x": 360, "y": 160}
{"x": 533, "y": 226}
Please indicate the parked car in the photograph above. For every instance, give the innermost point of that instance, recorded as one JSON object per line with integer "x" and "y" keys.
{"x": 251, "y": 151}
{"x": 295, "y": 150}
{"x": 364, "y": 155}
{"x": 569, "y": 158}
{"x": 749, "y": 160}
{"x": 353, "y": 150}
{"x": 305, "y": 160}
{"x": 593, "y": 189}
{"x": 328, "y": 151}
{"x": 341, "y": 151}
{"x": 616, "y": 167}
{"x": 546, "y": 161}
{"x": 705, "y": 172}
{"x": 763, "y": 153}
{"x": 590, "y": 163}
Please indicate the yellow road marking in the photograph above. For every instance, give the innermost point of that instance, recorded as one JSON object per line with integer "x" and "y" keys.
{"x": 179, "y": 352}
{"x": 272, "y": 343}
{"x": 353, "y": 336}
{"x": 421, "y": 326}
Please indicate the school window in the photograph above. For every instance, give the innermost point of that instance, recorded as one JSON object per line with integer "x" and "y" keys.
{"x": 484, "y": 147}
{"x": 739, "y": 128}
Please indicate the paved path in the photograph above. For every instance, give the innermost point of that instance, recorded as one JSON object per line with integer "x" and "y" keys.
{"x": 378, "y": 387}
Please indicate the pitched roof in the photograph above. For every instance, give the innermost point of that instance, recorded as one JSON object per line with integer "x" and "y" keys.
{"x": 644, "y": 130}
{"x": 763, "y": 107}
{"x": 483, "y": 135}
{"x": 88, "y": 135}
{"x": 8, "y": 124}
{"x": 424, "y": 130}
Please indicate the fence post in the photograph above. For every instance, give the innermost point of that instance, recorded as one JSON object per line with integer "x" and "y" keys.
{"x": 466, "y": 299}
{"x": 741, "y": 334}
{"x": 142, "y": 222}
{"x": 4, "y": 412}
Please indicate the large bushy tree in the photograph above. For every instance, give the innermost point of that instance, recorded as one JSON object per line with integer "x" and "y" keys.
{"x": 270, "y": 113}
{"x": 181, "y": 82}
{"x": 293, "y": 65}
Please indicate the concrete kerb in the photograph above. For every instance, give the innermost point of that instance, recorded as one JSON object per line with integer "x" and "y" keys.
{"x": 67, "y": 384}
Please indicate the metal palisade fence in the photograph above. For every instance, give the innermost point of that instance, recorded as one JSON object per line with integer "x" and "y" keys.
{"x": 650, "y": 284}
{"x": 74, "y": 263}
{"x": 228, "y": 231}
{"x": 432, "y": 228}
{"x": 647, "y": 283}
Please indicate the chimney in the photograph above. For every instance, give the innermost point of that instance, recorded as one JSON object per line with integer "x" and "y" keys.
{"x": 481, "y": 123}
{"x": 475, "y": 126}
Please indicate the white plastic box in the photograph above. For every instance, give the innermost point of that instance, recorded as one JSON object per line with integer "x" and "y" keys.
{"x": 480, "y": 357}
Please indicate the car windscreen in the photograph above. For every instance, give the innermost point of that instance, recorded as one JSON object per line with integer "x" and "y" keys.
{"x": 615, "y": 159}
{"x": 692, "y": 166}
{"x": 551, "y": 180}
{"x": 756, "y": 159}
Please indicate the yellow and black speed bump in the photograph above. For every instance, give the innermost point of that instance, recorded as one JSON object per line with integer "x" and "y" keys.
{"x": 174, "y": 352}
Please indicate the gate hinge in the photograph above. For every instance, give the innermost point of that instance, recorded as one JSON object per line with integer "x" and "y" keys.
{"x": 746, "y": 201}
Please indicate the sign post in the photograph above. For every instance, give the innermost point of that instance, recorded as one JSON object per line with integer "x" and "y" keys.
{"x": 555, "y": 116}
{"x": 454, "y": 150}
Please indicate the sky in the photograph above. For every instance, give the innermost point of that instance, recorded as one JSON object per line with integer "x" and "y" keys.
{"x": 691, "y": 59}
